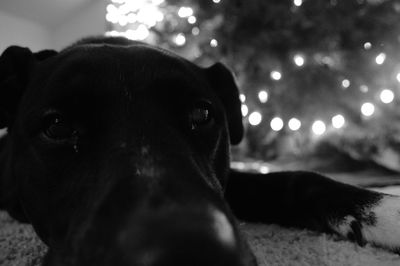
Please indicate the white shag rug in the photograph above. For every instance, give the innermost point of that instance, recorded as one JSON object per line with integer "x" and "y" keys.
{"x": 272, "y": 245}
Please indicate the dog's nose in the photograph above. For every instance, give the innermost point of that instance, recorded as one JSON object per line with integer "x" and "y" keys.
{"x": 181, "y": 237}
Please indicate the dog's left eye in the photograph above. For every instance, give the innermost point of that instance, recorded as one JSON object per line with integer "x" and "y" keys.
{"x": 58, "y": 129}
{"x": 201, "y": 114}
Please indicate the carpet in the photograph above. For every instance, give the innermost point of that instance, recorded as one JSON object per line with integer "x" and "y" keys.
{"x": 272, "y": 244}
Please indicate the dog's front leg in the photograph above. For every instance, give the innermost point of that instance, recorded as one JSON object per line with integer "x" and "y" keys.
{"x": 309, "y": 200}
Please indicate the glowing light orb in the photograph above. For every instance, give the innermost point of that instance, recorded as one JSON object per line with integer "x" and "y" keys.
{"x": 367, "y": 109}
{"x": 238, "y": 165}
{"x": 255, "y": 118}
{"x": 242, "y": 97}
{"x": 294, "y": 124}
{"x": 157, "y": 2}
{"x": 245, "y": 110}
{"x": 276, "y": 124}
{"x": 263, "y": 96}
{"x": 141, "y": 33}
{"x": 345, "y": 83}
{"x": 276, "y": 75}
{"x": 297, "y": 2}
{"x": 111, "y": 8}
{"x": 387, "y": 96}
{"x": 380, "y": 58}
{"x": 338, "y": 121}
{"x": 367, "y": 45}
{"x": 298, "y": 60}
{"x": 214, "y": 43}
{"x": 398, "y": 77}
{"x": 185, "y": 12}
{"x": 149, "y": 15}
{"x": 123, "y": 21}
{"x": 195, "y": 31}
{"x": 318, "y": 127}
{"x": 132, "y": 18}
{"x": 364, "y": 88}
{"x": 180, "y": 39}
{"x": 142, "y": 14}
{"x": 192, "y": 19}
{"x": 216, "y": 1}
{"x": 264, "y": 169}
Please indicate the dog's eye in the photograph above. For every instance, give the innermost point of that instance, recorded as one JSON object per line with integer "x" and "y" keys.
{"x": 201, "y": 114}
{"x": 58, "y": 129}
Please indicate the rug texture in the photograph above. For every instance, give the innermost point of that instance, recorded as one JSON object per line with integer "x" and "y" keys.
{"x": 272, "y": 245}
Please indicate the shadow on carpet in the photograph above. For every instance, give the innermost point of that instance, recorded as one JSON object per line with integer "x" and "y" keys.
{"x": 272, "y": 244}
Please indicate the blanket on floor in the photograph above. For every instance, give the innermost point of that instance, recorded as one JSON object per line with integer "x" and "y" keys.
{"x": 272, "y": 244}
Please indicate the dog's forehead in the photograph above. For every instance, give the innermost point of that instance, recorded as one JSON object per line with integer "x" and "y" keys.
{"x": 111, "y": 69}
{"x": 99, "y": 75}
{"x": 139, "y": 62}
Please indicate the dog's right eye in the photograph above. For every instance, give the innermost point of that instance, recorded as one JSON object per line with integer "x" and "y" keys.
{"x": 201, "y": 114}
{"x": 56, "y": 128}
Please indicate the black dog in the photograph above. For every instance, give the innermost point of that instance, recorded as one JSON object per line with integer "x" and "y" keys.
{"x": 118, "y": 154}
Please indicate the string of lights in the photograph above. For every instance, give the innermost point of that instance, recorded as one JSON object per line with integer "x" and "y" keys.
{"x": 338, "y": 121}
{"x": 286, "y": 85}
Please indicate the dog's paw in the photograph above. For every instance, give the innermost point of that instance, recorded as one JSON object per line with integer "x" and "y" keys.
{"x": 378, "y": 224}
{"x": 351, "y": 228}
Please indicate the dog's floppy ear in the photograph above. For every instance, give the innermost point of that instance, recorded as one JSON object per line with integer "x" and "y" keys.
{"x": 223, "y": 82}
{"x": 15, "y": 66}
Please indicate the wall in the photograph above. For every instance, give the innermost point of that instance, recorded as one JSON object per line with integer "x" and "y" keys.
{"x": 15, "y": 30}
{"x": 89, "y": 21}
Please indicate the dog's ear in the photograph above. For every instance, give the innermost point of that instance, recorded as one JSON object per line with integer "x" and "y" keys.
{"x": 16, "y": 63}
{"x": 223, "y": 82}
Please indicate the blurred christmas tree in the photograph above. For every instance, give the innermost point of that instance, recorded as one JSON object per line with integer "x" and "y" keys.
{"x": 312, "y": 74}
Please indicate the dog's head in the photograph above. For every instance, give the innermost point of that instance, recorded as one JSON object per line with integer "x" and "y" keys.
{"x": 117, "y": 153}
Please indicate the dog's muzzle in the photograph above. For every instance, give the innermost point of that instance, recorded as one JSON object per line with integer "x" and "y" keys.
{"x": 193, "y": 235}
{"x": 161, "y": 224}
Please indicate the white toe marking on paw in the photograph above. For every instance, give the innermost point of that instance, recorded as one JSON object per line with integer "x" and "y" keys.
{"x": 343, "y": 228}
{"x": 386, "y": 231}
{"x": 223, "y": 227}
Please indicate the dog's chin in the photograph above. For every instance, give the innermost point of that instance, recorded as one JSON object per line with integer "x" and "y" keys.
{"x": 165, "y": 237}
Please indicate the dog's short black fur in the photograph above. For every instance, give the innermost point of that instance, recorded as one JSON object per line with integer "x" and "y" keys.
{"x": 117, "y": 152}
